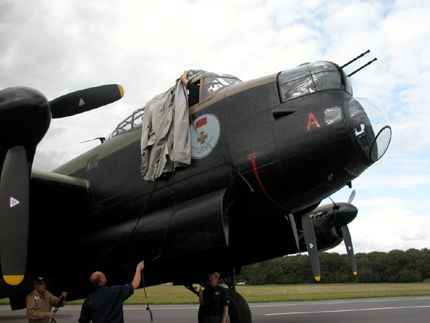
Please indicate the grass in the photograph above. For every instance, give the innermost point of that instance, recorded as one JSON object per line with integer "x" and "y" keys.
{"x": 290, "y": 293}
{"x": 168, "y": 294}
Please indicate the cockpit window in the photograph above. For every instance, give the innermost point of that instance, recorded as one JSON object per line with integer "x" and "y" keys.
{"x": 309, "y": 78}
{"x": 212, "y": 82}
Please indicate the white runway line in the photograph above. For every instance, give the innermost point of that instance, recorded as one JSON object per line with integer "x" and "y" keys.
{"x": 351, "y": 310}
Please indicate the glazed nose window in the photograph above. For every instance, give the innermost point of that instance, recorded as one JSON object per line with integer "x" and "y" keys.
{"x": 371, "y": 127}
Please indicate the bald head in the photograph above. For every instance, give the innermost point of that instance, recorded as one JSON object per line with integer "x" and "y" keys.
{"x": 98, "y": 278}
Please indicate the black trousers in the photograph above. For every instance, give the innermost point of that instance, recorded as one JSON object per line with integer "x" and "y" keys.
{"x": 213, "y": 319}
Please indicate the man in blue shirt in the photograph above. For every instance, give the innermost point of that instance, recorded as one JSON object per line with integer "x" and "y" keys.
{"x": 215, "y": 301}
{"x": 104, "y": 305}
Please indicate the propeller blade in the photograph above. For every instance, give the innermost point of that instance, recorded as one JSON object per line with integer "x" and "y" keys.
{"x": 294, "y": 227}
{"x": 349, "y": 248}
{"x": 351, "y": 197}
{"x": 311, "y": 245}
{"x": 85, "y": 100}
{"x": 14, "y": 209}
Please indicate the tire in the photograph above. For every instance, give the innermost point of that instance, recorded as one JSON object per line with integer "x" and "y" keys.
{"x": 238, "y": 311}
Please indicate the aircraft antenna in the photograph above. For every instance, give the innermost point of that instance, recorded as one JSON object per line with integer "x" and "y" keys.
{"x": 368, "y": 63}
{"x": 351, "y": 61}
{"x": 102, "y": 140}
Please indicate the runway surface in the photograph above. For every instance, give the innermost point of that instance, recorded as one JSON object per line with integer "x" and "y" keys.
{"x": 369, "y": 310}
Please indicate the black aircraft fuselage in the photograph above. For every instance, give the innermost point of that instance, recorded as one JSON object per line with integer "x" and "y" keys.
{"x": 273, "y": 146}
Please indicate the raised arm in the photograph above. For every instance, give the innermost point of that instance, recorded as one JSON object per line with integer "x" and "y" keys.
{"x": 137, "y": 276}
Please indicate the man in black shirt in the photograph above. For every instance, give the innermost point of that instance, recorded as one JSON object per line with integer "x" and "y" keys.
{"x": 215, "y": 301}
{"x": 193, "y": 96}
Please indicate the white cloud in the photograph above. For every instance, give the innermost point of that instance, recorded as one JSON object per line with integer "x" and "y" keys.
{"x": 63, "y": 46}
{"x": 384, "y": 224}
{"x": 395, "y": 181}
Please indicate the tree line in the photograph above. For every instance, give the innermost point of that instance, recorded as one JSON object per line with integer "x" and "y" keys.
{"x": 396, "y": 266}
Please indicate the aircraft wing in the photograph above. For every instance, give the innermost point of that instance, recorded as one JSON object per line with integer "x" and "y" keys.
{"x": 58, "y": 180}
{"x": 48, "y": 188}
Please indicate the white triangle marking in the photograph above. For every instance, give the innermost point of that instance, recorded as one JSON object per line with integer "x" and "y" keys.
{"x": 81, "y": 102}
{"x": 13, "y": 202}
{"x": 311, "y": 245}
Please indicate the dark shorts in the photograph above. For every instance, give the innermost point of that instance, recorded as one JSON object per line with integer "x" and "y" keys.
{"x": 213, "y": 319}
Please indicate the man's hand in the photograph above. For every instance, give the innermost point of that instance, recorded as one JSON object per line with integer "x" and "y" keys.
{"x": 50, "y": 315}
{"x": 140, "y": 266}
{"x": 201, "y": 301}
{"x": 184, "y": 77}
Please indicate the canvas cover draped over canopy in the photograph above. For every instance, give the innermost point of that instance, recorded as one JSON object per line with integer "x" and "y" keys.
{"x": 165, "y": 142}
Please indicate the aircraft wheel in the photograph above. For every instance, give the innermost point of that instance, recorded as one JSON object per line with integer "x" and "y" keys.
{"x": 238, "y": 310}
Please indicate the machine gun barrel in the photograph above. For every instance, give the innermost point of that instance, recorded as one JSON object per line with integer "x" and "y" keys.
{"x": 351, "y": 61}
{"x": 368, "y": 63}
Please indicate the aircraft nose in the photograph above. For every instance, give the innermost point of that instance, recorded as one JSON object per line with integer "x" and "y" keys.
{"x": 370, "y": 125}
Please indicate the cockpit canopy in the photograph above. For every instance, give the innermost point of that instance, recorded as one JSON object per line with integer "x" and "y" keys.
{"x": 212, "y": 82}
{"x": 209, "y": 83}
{"x": 129, "y": 123}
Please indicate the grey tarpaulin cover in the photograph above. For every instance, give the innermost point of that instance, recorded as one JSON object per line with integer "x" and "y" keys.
{"x": 165, "y": 142}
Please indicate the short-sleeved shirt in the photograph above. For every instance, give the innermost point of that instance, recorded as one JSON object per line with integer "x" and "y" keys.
{"x": 215, "y": 298}
{"x": 105, "y": 304}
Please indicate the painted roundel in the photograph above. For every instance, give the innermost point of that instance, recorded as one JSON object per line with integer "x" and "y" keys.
{"x": 205, "y": 133}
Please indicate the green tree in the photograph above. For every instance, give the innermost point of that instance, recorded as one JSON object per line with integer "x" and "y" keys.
{"x": 375, "y": 267}
{"x": 409, "y": 276}
{"x": 424, "y": 263}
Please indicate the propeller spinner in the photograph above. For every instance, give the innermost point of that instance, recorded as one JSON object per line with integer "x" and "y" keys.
{"x": 25, "y": 116}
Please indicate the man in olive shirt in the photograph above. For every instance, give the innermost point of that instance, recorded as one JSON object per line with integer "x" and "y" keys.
{"x": 40, "y": 301}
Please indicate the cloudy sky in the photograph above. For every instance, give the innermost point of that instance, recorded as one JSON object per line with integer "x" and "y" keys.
{"x": 62, "y": 46}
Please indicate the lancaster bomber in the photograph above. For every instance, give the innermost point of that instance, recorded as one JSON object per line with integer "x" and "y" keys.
{"x": 260, "y": 156}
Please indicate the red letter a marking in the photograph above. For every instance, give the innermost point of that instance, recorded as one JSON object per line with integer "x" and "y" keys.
{"x": 312, "y": 120}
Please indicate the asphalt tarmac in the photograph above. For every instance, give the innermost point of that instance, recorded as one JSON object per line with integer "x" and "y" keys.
{"x": 380, "y": 310}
